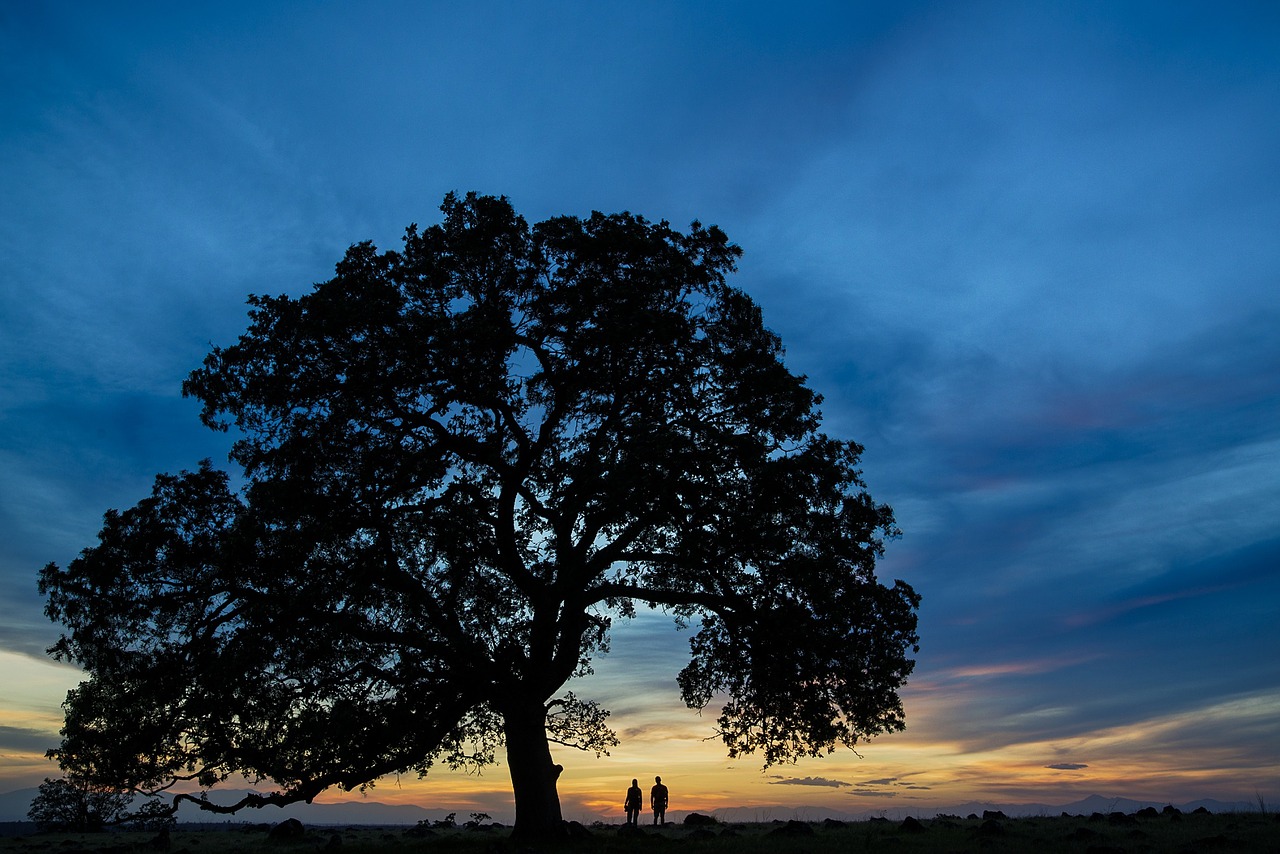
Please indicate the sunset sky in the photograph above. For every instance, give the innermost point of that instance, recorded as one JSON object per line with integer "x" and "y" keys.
{"x": 1027, "y": 251}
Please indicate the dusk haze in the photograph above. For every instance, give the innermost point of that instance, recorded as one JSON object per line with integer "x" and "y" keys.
{"x": 1021, "y": 256}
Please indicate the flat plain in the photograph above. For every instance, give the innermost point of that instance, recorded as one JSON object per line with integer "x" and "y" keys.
{"x": 1097, "y": 834}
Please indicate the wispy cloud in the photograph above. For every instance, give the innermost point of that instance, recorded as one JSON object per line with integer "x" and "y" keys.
{"x": 810, "y": 781}
{"x": 24, "y": 740}
{"x": 883, "y": 781}
{"x": 1067, "y": 766}
{"x": 1016, "y": 668}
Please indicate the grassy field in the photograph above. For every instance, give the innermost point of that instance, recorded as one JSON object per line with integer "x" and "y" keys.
{"x": 1240, "y": 832}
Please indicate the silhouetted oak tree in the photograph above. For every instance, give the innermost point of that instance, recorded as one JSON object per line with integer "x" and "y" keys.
{"x": 462, "y": 460}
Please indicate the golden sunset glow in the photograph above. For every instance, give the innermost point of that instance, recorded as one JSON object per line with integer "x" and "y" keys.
{"x": 918, "y": 771}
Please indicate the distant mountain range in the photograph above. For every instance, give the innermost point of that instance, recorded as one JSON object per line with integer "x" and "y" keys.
{"x": 14, "y": 806}
{"x": 1085, "y": 806}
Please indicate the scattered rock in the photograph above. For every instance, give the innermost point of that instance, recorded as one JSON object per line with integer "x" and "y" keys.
{"x": 289, "y": 829}
{"x": 994, "y": 815}
{"x": 697, "y": 819}
{"x": 989, "y": 828}
{"x": 575, "y": 830}
{"x": 1171, "y": 810}
{"x": 161, "y": 842}
{"x": 911, "y": 825}
{"x": 792, "y": 828}
{"x": 700, "y": 833}
{"x": 1200, "y": 811}
{"x": 630, "y": 831}
{"x": 1147, "y": 812}
{"x": 832, "y": 823}
{"x": 1120, "y": 819}
{"x": 1083, "y": 834}
{"x": 971, "y": 817}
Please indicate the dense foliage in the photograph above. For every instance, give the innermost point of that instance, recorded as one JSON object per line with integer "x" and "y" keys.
{"x": 461, "y": 460}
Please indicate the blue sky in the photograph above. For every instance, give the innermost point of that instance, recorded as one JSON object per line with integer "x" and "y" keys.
{"x": 1027, "y": 251}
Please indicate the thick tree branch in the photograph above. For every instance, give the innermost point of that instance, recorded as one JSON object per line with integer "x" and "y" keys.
{"x": 719, "y": 603}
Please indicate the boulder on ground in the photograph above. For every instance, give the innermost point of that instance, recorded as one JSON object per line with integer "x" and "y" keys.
{"x": 994, "y": 815}
{"x": 832, "y": 823}
{"x": 990, "y": 827}
{"x": 697, "y": 819}
{"x": 575, "y": 830}
{"x": 290, "y": 828}
{"x": 792, "y": 828}
{"x": 911, "y": 825}
{"x": 1147, "y": 812}
{"x": 161, "y": 842}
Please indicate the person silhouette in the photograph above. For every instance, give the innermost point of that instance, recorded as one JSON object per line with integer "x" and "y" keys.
{"x": 658, "y": 800}
{"x": 632, "y": 805}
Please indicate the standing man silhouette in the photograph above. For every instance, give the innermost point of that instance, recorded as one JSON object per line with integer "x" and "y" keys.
{"x": 632, "y": 805}
{"x": 658, "y": 800}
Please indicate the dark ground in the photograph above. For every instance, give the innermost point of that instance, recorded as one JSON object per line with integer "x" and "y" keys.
{"x": 1097, "y": 834}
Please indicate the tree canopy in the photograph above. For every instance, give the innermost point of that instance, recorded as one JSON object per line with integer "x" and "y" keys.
{"x": 461, "y": 460}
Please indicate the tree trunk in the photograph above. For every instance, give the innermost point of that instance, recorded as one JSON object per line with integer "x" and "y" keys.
{"x": 533, "y": 773}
